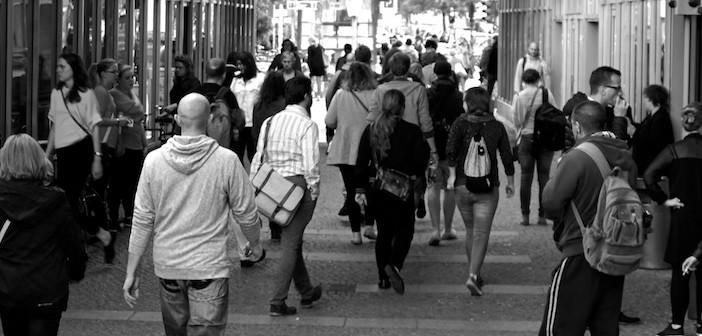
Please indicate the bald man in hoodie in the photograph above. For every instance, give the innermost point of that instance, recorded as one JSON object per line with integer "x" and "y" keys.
{"x": 190, "y": 193}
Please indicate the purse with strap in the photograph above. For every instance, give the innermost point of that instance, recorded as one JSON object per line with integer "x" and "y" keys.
{"x": 360, "y": 101}
{"x": 276, "y": 197}
{"x": 65, "y": 103}
{"x": 392, "y": 181}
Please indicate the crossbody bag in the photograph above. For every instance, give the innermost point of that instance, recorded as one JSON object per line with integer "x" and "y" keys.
{"x": 276, "y": 197}
{"x": 391, "y": 181}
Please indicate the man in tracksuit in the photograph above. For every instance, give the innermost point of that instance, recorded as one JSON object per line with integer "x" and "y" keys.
{"x": 581, "y": 297}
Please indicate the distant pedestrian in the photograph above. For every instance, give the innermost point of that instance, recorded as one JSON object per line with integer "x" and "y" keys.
{"x": 391, "y": 143}
{"x": 655, "y": 132}
{"x": 445, "y": 106}
{"x": 277, "y": 62}
{"x": 246, "y": 88}
{"x": 347, "y": 115}
{"x": 189, "y": 192}
{"x": 530, "y": 153}
{"x": 292, "y": 150}
{"x": 416, "y": 112}
{"x": 681, "y": 162}
{"x": 41, "y": 246}
{"x": 532, "y": 60}
{"x": 477, "y": 207}
{"x": 288, "y": 71}
{"x": 184, "y": 80}
{"x": 316, "y": 60}
{"x": 348, "y": 49}
{"x": 581, "y": 297}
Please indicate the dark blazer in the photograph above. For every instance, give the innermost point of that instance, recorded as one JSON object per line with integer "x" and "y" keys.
{"x": 652, "y": 136}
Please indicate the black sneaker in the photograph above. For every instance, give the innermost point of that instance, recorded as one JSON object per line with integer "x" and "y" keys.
{"x": 282, "y": 310}
{"x": 624, "y": 320}
{"x": 670, "y": 331}
{"x": 395, "y": 279}
{"x": 343, "y": 211}
{"x": 316, "y": 295}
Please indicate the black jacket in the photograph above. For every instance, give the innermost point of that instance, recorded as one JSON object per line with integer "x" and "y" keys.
{"x": 616, "y": 125}
{"x": 652, "y": 136}
{"x": 445, "y": 106}
{"x": 42, "y": 249}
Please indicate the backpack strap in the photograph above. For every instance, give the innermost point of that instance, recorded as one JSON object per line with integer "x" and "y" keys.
{"x": 523, "y": 63}
{"x": 596, "y": 155}
{"x": 221, "y": 93}
{"x": 265, "y": 140}
{"x": 544, "y": 96}
{"x": 526, "y": 117}
{"x": 4, "y": 228}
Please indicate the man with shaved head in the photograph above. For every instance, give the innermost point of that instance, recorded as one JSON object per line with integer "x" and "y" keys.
{"x": 580, "y": 296}
{"x": 189, "y": 191}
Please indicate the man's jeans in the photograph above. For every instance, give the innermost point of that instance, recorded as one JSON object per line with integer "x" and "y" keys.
{"x": 531, "y": 154}
{"x": 194, "y": 307}
{"x": 291, "y": 265}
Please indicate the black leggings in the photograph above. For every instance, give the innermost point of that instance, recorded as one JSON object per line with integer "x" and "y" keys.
{"x": 680, "y": 294}
{"x": 123, "y": 184}
{"x": 395, "y": 219}
{"x": 74, "y": 164}
{"x": 348, "y": 175}
{"x": 245, "y": 143}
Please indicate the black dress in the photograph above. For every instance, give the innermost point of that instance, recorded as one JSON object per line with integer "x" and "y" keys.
{"x": 315, "y": 59}
{"x": 682, "y": 163}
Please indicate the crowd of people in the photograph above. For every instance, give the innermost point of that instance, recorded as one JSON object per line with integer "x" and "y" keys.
{"x": 417, "y": 129}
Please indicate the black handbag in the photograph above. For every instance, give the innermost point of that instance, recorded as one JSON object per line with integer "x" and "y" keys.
{"x": 392, "y": 181}
{"x": 91, "y": 207}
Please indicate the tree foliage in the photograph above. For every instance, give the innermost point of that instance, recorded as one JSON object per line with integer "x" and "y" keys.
{"x": 264, "y": 22}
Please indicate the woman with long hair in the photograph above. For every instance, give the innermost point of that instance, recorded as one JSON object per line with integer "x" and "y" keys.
{"x": 682, "y": 163}
{"x": 127, "y": 165}
{"x": 75, "y": 138}
{"x": 246, "y": 88}
{"x": 271, "y": 100}
{"x": 184, "y": 80}
{"x": 477, "y": 208}
{"x": 42, "y": 246}
{"x": 347, "y": 115}
{"x": 103, "y": 76}
{"x": 277, "y": 62}
{"x": 391, "y": 143}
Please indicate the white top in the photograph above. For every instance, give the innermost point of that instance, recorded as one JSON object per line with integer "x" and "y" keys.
{"x": 87, "y": 112}
{"x": 247, "y": 94}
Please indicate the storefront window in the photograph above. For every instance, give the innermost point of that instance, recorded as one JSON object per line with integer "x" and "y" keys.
{"x": 20, "y": 12}
{"x": 46, "y": 65}
{"x": 123, "y": 21}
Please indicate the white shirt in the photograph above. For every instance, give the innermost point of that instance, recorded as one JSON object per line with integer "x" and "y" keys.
{"x": 246, "y": 93}
{"x": 293, "y": 145}
{"x": 86, "y": 112}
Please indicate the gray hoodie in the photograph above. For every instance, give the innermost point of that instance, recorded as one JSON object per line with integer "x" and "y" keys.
{"x": 189, "y": 192}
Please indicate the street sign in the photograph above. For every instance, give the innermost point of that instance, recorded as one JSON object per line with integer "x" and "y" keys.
{"x": 301, "y": 5}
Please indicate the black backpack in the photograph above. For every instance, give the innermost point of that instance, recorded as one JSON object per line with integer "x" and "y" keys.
{"x": 549, "y": 125}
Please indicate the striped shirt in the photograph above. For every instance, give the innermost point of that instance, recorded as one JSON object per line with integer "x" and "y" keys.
{"x": 293, "y": 145}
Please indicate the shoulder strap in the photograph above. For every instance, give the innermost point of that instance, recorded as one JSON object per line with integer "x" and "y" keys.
{"x": 375, "y": 156}
{"x": 596, "y": 154}
{"x": 526, "y": 116}
{"x": 4, "y": 228}
{"x": 221, "y": 93}
{"x": 577, "y": 217}
{"x": 544, "y": 96}
{"x": 671, "y": 147}
{"x": 523, "y": 63}
{"x": 359, "y": 100}
{"x": 71, "y": 114}
{"x": 265, "y": 139}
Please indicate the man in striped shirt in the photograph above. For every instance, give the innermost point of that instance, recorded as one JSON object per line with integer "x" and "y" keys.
{"x": 289, "y": 142}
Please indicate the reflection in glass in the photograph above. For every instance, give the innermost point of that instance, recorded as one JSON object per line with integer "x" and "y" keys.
{"x": 20, "y": 12}
{"x": 122, "y": 21}
{"x": 46, "y": 51}
{"x": 68, "y": 25}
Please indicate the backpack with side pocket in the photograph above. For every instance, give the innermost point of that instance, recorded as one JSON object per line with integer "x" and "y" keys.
{"x": 549, "y": 125}
{"x": 219, "y": 127}
{"x": 613, "y": 243}
{"x": 477, "y": 164}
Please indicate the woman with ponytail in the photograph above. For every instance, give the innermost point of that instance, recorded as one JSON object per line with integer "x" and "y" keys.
{"x": 477, "y": 208}
{"x": 391, "y": 143}
{"x": 682, "y": 163}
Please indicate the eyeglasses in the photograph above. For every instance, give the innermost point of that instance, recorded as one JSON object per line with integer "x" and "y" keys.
{"x": 114, "y": 72}
{"x": 618, "y": 88}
